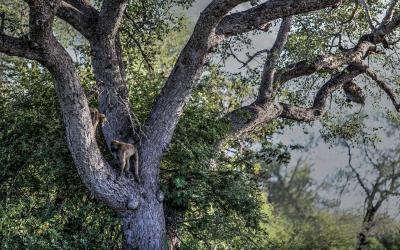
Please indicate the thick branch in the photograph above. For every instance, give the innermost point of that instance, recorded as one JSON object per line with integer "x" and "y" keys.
{"x": 365, "y": 44}
{"x": 248, "y": 118}
{"x": 302, "y": 114}
{"x": 17, "y": 47}
{"x": 378, "y": 36}
{"x": 328, "y": 62}
{"x": 113, "y": 94}
{"x": 110, "y": 17}
{"x": 299, "y": 114}
{"x": 100, "y": 178}
{"x": 80, "y": 15}
{"x": 354, "y": 58}
{"x": 268, "y": 76}
{"x": 188, "y": 68}
{"x": 100, "y": 29}
{"x": 332, "y": 85}
{"x": 41, "y": 16}
{"x": 259, "y": 17}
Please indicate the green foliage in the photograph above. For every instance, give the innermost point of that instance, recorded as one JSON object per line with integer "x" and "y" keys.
{"x": 349, "y": 128}
{"x": 387, "y": 237}
{"x": 309, "y": 225}
{"x": 293, "y": 193}
{"x": 325, "y": 231}
{"x": 16, "y": 16}
{"x": 43, "y": 203}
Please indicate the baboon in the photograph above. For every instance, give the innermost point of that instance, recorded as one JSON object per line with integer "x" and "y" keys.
{"x": 97, "y": 118}
{"x": 122, "y": 153}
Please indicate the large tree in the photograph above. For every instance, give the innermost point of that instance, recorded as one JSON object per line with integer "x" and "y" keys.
{"x": 139, "y": 204}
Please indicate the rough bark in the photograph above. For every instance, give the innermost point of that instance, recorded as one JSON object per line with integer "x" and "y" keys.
{"x": 112, "y": 90}
{"x": 80, "y": 15}
{"x": 142, "y": 213}
{"x": 97, "y": 175}
{"x": 100, "y": 28}
{"x": 145, "y": 227}
{"x": 266, "y": 90}
{"x": 147, "y": 224}
{"x": 259, "y": 17}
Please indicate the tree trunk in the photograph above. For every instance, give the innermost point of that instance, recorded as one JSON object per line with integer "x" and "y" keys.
{"x": 139, "y": 203}
{"x": 113, "y": 92}
{"x": 145, "y": 228}
{"x": 362, "y": 243}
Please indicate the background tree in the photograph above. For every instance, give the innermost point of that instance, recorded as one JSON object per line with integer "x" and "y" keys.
{"x": 376, "y": 173}
{"x": 296, "y": 197}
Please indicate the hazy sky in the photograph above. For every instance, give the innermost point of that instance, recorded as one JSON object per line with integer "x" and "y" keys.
{"x": 325, "y": 158}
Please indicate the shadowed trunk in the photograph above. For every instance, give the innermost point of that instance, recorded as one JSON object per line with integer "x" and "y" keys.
{"x": 112, "y": 90}
{"x": 368, "y": 223}
{"x": 145, "y": 227}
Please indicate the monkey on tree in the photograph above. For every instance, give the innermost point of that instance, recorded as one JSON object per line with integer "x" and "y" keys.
{"x": 97, "y": 118}
{"x": 122, "y": 153}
